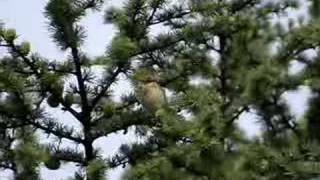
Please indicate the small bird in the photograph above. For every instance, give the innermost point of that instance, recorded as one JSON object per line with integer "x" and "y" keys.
{"x": 149, "y": 92}
{"x": 153, "y": 96}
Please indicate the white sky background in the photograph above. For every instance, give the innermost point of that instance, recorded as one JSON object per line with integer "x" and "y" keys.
{"x": 27, "y": 18}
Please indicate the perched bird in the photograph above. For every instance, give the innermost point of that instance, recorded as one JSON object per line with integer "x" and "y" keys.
{"x": 150, "y": 94}
{"x": 153, "y": 96}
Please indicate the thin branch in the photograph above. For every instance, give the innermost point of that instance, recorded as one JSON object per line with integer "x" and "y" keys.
{"x": 154, "y": 48}
{"x": 106, "y": 126}
{"x": 102, "y": 93}
{"x": 39, "y": 75}
{"x": 33, "y": 121}
{"x": 90, "y": 4}
{"x": 118, "y": 108}
{"x": 159, "y": 20}
{"x": 243, "y": 5}
{"x": 25, "y": 59}
{"x": 118, "y": 161}
{"x": 69, "y": 156}
{"x": 238, "y": 114}
{"x": 67, "y": 107}
{"x": 154, "y": 10}
{"x": 212, "y": 48}
{"x": 56, "y": 133}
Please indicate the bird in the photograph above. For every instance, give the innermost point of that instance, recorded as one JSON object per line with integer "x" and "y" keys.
{"x": 149, "y": 91}
{"x": 153, "y": 96}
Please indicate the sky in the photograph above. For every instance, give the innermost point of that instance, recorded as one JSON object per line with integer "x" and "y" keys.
{"x": 26, "y": 16}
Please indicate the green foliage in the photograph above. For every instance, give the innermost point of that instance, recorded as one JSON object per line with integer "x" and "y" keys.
{"x": 143, "y": 75}
{"x": 28, "y": 156}
{"x": 217, "y": 59}
{"x": 25, "y": 48}
{"x": 315, "y": 9}
{"x": 52, "y": 83}
{"x": 109, "y": 110}
{"x": 260, "y": 80}
{"x": 63, "y": 15}
{"x": 96, "y": 170}
{"x": 9, "y": 35}
{"x": 69, "y": 99}
{"x": 52, "y": 163}
{"x": 122, "y": 48}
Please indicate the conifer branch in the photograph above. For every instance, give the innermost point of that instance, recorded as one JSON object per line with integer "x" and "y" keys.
{"x": 80, "y": 81}
{"x": 90, "y": 4}
{"x": 198, "y": 148}
{"x": 171, "y": 17}
{"x": 68, "y": 155}
{"x": 35, "y": 71}
{"x": 239, "y": 6}
{"x": 162, "y": 46}
{"x": 153, "y": 12}
{"x": 106, "y": 127}
{"x": 106, "y": 87}
{"x": 25, "y": 59}
{"x": 237, "y": 115}
{"x": 119, "y": 69}
{"x": 118, "y": 161}
{"x": 33, "y": 120}
{"x": 58, "y": 133}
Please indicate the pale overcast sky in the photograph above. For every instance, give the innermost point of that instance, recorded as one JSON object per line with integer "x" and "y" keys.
{"x": 26, "y": 16}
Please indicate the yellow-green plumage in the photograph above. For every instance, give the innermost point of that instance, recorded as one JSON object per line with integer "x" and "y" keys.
{"x": 152, "y": 96}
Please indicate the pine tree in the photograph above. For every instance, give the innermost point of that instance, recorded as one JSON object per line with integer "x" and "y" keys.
{"x": 237, "y": 50}
{"x": 245, "y": 74}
